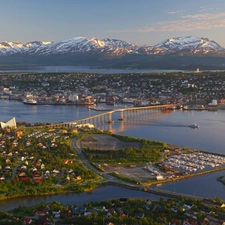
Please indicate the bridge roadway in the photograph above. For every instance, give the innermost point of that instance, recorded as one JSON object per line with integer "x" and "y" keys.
{"x": 107, "y": 116}
{"x": 155, "y": 191}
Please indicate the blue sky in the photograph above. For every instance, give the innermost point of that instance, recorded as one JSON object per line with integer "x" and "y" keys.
{"x": 136, "y": 21}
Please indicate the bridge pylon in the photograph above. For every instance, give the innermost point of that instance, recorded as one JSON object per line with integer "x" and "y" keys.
{"x": 110, "y": 121}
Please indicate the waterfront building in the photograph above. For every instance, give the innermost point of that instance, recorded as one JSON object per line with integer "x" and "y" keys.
{"x": 10, "y": 123}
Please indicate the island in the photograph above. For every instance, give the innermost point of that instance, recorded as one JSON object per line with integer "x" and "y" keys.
{"x": 41, "y": 160}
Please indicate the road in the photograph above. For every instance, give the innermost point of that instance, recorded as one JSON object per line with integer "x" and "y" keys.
{"x": 88, "y": 165}
{"x": 82, "y": 157}
{"x": 114, "y": 181}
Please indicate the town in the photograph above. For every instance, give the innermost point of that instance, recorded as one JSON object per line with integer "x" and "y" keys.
{"x": 193, "y": 90}
{"x": 47, "y": 158}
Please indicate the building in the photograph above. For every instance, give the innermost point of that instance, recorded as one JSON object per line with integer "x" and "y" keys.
{"x": 10, "y": 123}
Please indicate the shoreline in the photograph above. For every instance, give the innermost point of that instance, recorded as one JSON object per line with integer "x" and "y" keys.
{"x": 92, "y": 103}
{"x": 86, "y": 190}
{"x": 145, "y": 187}
{"x": 188, "y": 176}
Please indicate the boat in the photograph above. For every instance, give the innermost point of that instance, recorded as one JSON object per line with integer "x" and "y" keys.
{"x": 195, "y": 126}
{"x": 99, "y": 108}
{"x": 30, "y": 101}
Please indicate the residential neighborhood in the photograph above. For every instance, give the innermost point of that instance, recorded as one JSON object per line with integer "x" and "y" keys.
{"x": 122, "y": 211}
{"x": 40, "y": 160}
{"x": 191, "y": 89}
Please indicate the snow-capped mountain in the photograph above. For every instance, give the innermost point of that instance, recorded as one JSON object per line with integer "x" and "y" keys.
{"x": 11, "y": 48}
{"x": 120, "y": 44}
{"x": 73, "y": 45}
{"x": 188, "y": 43}
{"x": 112, "y": 47}
{"x": 68, "y": 46}
{"x": 8, "y": 48}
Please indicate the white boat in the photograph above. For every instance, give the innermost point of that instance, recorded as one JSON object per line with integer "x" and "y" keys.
{"x": 195, "y": 126}
{"x": 30, "y": 101}
{"x": 99, "y": 108}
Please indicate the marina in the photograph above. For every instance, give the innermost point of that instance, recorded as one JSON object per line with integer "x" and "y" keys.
{"x": 194, "y": 162}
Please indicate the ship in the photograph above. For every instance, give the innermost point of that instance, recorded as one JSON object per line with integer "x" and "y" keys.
{"x": 195, "y": 126}
{"x": 30, "y": 101}
{"x": 99, "y": 108}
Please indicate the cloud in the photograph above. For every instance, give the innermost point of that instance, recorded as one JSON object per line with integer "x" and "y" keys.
{"x": 205, "y": 16}
{"x": 186, "y": 23}
{"x": 207, "y": 9}
{"x": 176, "y": 12}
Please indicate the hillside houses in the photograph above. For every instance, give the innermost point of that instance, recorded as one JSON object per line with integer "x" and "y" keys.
{"x": 169, "y": 88}
{"x": 24, "y": 158}
{"x": 130, "y": 212}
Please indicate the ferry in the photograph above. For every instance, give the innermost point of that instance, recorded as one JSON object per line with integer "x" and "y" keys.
{"x": 195, "y": 126}
{"x": 99, "y": 108}
{"x": 30, "y": 102}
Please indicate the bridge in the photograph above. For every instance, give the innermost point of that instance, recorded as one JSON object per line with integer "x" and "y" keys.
{"x": 100, "y": 119}
{"x": 160, "y": 192}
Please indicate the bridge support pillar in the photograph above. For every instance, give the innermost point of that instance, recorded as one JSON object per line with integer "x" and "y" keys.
{"x": 99, "y": 122}
{"x": 122, "y": 117}
{"x": 95, "y": 122}
{"x": 110, "y": 120}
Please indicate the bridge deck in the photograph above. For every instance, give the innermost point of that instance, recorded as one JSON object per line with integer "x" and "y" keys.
{"x": 80, "y": 121}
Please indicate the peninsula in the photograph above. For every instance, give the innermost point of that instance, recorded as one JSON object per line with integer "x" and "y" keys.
{"x": 43, "y": 160}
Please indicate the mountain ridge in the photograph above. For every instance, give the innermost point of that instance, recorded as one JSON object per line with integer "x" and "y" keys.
{"x": 180, "y": 52}
{"x": 114, "y": 46}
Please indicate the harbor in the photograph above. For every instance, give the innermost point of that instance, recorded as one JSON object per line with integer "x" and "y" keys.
{"x": 194, "y": 162}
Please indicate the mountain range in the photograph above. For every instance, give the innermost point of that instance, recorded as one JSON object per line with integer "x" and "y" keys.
{"x": 174, "y": 53}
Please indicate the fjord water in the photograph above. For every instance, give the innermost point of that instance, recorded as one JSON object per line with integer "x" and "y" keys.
{"x": 171, "y": 127}
{"x": 100, "y": 194}
{"x": 85, "y": 69}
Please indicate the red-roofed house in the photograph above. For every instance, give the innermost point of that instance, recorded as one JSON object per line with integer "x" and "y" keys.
{"x": 41, "y": 213}
{"x": 176, "y": 221}
{"x": 188, "y": 222}
{"x": 27, "y": 221}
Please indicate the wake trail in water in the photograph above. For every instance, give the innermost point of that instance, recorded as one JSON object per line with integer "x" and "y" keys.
{"x": 164, "y": 124}
{"x": 168, "y": 125}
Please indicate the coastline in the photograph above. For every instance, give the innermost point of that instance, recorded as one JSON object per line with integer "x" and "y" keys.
{"x": 85, "y": 190}
{"x": 215, "y": 108}
{"x": 188, "y": 176}
{"x": 145, "y": 187}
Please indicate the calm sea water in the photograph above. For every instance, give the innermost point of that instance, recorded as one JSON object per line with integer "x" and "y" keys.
{"x": 100, "y": 194}
{"x": 171, "y": 127}
{"x": 83, "y": 69}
